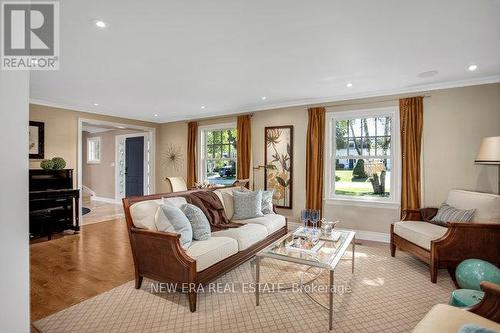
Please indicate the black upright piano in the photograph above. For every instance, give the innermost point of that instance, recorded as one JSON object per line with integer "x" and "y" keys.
{"x": 53, "y": 203}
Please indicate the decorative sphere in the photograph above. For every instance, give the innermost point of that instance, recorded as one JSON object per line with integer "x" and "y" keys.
{"x": 59, "y": 163}
{"x": 471, "y": 272}
{"x": 47, "y": 164}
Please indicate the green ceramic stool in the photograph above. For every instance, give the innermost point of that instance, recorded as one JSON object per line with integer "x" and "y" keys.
{"x": 466, "y": 297}
{"x": 469, "y": 274}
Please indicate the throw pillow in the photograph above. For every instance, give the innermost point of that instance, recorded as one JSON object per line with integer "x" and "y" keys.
{"x": 198, "y": 220}
{"x": 180, "y": 222}
{"x": 162, "y": 223}
{"x": 247, "y": 205}
{"x": 267, "y": 202}
{"x": 447, "y": 213}
{"x": 473, "y": 328}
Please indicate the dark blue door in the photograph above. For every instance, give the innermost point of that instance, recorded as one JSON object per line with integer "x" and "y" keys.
{"x": 134, "y": 166}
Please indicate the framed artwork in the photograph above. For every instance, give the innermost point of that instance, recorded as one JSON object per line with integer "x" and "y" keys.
{"x": 36, "y": 140}
{"x": 278, "y": 174}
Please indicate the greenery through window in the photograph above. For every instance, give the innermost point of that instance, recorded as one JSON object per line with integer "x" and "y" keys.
{"x": 220, "y": 156}
{"x": 363, "y": 156}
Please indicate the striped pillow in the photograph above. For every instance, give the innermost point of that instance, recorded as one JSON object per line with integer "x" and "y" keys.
{"x": 447, "y": 213}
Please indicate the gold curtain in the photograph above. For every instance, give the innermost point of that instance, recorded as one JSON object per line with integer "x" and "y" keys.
{"x": 191, "y": 153}
{"x": 314, "y": 158}
{"x": 411, "y": 114}
{"x": 244, "y": 146}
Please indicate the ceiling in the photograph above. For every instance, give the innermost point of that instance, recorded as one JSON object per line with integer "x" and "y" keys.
{"x": 170, "y": 58}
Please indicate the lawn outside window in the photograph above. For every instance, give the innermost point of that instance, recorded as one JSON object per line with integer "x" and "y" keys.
{"x": 363, "y": 156}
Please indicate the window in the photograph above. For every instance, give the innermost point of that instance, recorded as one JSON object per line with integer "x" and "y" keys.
{"x": 94, "y": 150}
{"x": 218, "y": 154}
{"x": 363, "y": 147}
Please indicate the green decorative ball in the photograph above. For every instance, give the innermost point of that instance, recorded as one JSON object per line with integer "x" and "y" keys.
{"x": 47, "y": 164}
{"x": 471, "y": 272}
{"x": 59, "y": 163}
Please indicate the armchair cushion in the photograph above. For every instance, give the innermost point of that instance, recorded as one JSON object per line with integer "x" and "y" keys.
{"x": 487, "y": 206}
{"x": 419, "y": 233}
{"x": 445, "y": 318}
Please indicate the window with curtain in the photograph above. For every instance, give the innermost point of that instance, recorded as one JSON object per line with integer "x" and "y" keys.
{"x": 364, "y": 162}
{"x": 218, "y": 154}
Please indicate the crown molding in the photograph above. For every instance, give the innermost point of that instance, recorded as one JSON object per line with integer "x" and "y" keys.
{"x": 292, "y": 103}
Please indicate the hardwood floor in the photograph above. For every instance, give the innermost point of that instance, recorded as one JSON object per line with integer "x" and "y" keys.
{"x": 102, "y": 211}
{"x": 73, "y": 268}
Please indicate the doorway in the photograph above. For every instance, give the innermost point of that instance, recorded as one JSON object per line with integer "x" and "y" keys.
{"x": 134, "y": 166}
{"x": 115, "y": 161}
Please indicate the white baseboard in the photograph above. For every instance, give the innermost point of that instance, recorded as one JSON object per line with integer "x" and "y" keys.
{"x": 103, "y": 199}
{"x": 360, "y": 234}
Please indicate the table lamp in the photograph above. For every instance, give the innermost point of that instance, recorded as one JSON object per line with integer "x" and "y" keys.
{"x": 489, "y": 153}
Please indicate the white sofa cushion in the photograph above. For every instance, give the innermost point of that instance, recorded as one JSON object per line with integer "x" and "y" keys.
{"x": 445, "y": 318}
{"x": 175, "y": 201}
{"x": 272, "y": 222}
{"x": 246, "y": 235}
{"x": 143, "y": 213}
{"x": 487, "y": 205}
{"x": 211, "y": 251}
{"x": 226, "y": 197}
{"x": 418, "y": 232}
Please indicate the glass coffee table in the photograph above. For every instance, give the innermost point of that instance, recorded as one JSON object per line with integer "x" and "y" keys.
{"x": 327, "y": 257}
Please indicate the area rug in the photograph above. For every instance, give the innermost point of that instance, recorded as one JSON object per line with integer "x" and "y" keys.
{"x": 384, "y": 294}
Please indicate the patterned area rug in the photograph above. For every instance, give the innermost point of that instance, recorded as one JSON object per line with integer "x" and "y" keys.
{"x": 383, "y": 295}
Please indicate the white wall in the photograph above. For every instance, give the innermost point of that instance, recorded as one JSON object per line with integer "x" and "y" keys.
{"x": 14, "y": 250}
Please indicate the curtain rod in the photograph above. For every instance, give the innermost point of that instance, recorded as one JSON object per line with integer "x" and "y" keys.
{"x": 332, "y": 104}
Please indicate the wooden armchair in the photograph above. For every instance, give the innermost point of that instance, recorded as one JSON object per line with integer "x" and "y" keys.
{"x": 456, "y": 242}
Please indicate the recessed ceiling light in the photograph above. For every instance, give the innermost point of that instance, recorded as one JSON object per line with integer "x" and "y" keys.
{"x": 428, "y": 74}
{"x": 100, "y": 24}
{"x": 120, "y": 127}
{"x": 263, "y": 98}
{"x": 472, "y": 68}
{"x": 349, "y": 85}
{"x": 156, "y": 115}
{"x": 96, "y": 104}
{"x": 203, "y": 106}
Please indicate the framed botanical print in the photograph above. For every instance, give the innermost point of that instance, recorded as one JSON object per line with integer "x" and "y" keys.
{"x": 36, "y": 140}
{"x": 279, "y": 164}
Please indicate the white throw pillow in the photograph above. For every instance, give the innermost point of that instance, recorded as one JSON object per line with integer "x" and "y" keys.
{"x": 175, "y": 201}
{"x": 162, "y": 223}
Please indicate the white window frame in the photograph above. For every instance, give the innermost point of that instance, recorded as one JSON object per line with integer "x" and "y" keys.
{"x": 93, "y": 159}
{"x": 201, "y": 150}
{"x": 395, "y": 192}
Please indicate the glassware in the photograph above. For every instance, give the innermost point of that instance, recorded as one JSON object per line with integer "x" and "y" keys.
{"x": 314, "y": 215}
{"x": 304, "y": 216}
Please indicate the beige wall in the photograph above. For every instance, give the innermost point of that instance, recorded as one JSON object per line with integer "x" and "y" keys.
{"x": 100, "y": 177}
{"x": 455, "y": 120}
{"x": 61, "y": 132}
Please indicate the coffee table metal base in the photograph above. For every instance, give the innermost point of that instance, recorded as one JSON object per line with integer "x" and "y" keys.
{"x": 331, "y": 284}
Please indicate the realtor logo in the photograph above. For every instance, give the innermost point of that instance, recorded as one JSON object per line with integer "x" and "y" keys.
{"x": 30, "y": 35}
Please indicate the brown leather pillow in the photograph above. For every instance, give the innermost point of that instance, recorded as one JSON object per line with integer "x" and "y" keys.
{"x": 428, "y": 214}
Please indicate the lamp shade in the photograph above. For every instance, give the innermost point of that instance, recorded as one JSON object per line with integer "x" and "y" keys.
{"x": 489, "y": 151}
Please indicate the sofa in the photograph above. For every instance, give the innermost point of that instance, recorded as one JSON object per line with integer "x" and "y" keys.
{"x": 159, "y": 255}
{"x": 447, "y": 246}
{"x": 443, "y": 318}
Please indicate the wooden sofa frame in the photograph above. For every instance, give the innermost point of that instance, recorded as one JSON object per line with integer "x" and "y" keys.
{"x": 160, "y": 257}
{"x": 461, "y": 241}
